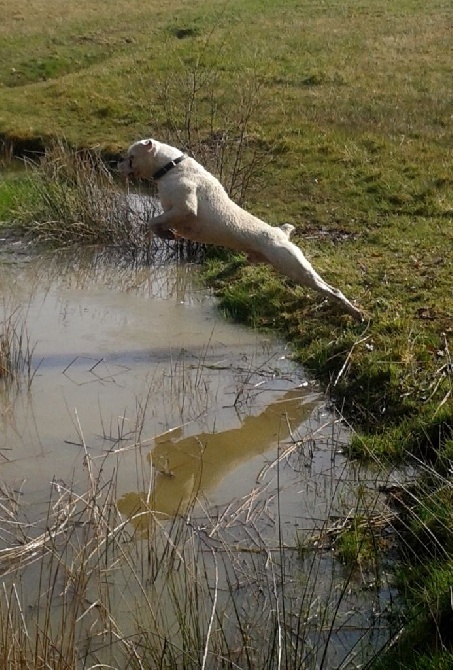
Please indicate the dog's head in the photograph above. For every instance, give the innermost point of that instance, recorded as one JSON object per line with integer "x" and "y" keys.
{"x": 139, "y": 160}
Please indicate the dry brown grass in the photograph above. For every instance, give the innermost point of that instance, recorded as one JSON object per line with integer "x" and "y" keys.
{"x": 85, "y": 585}
{"x": 16, "y": 351}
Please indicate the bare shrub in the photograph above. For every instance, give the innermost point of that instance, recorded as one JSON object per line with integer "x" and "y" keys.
{"x": 75, "y": 201}
{"x": 222, "y": 132}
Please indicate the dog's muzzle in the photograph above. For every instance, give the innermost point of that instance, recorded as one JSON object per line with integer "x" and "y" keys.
{"x": 125, "y": 171}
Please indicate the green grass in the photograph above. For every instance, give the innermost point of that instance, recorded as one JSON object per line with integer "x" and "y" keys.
{"x": 14, "y": 189}
{"x": 94, "y": 73}
{"x": 346, "y": 108}
{"x": 425, "y": 575}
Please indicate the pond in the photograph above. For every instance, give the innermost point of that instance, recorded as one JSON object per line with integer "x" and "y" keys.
{"x": 151, "y": 434}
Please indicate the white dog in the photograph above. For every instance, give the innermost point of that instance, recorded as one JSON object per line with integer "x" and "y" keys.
{"x": 196, "y": 206}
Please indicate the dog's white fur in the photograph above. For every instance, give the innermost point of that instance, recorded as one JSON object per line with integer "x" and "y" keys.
{"x": 196, "y": 206}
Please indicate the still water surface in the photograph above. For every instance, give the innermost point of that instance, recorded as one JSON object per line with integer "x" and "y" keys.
{"x": 136, "y": 369}
{"x": 127, "y": 351}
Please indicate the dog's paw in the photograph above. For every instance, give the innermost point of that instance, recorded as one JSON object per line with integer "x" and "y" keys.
{"x": 163, "y": 233}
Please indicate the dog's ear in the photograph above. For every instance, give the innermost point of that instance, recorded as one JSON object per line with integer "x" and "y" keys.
{"x": 150, "y": 146}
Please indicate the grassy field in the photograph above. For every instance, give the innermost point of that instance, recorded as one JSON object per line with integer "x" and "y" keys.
{"x": 342, "y": 112}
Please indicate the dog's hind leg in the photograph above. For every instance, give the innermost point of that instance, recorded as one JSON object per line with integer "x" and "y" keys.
{"x": 255, "y": 258}
{"x": 291, "y": 262}
{"x": 313, "y": 280}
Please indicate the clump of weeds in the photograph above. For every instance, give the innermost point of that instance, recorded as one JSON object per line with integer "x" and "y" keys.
{"x": 74, "y": 201}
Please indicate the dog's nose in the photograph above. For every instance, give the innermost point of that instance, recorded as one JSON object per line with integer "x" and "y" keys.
{"x": 120, "y": 166}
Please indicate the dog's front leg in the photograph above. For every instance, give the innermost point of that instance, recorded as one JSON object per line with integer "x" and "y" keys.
{"x": 177, "y": 213}
{"x": 155, "y": 230}
{"x": 163, "y": 225}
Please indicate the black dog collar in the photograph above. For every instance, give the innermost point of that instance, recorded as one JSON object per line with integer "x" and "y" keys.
{"x": 169, "y": 166}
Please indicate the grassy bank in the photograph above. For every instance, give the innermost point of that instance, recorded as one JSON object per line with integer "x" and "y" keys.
{"x": 341, "y": 113}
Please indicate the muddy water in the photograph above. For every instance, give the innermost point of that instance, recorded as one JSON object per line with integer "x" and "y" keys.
{"x": 122, "y": 353}
{"x": 135, "y": 368}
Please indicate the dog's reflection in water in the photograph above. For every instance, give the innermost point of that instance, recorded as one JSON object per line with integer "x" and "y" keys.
{"x": 185, "y": 467}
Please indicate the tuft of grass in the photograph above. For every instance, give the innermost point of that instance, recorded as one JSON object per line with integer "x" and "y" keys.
{"x": 16, "y": 351}
{"x": 361, "y": 543}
